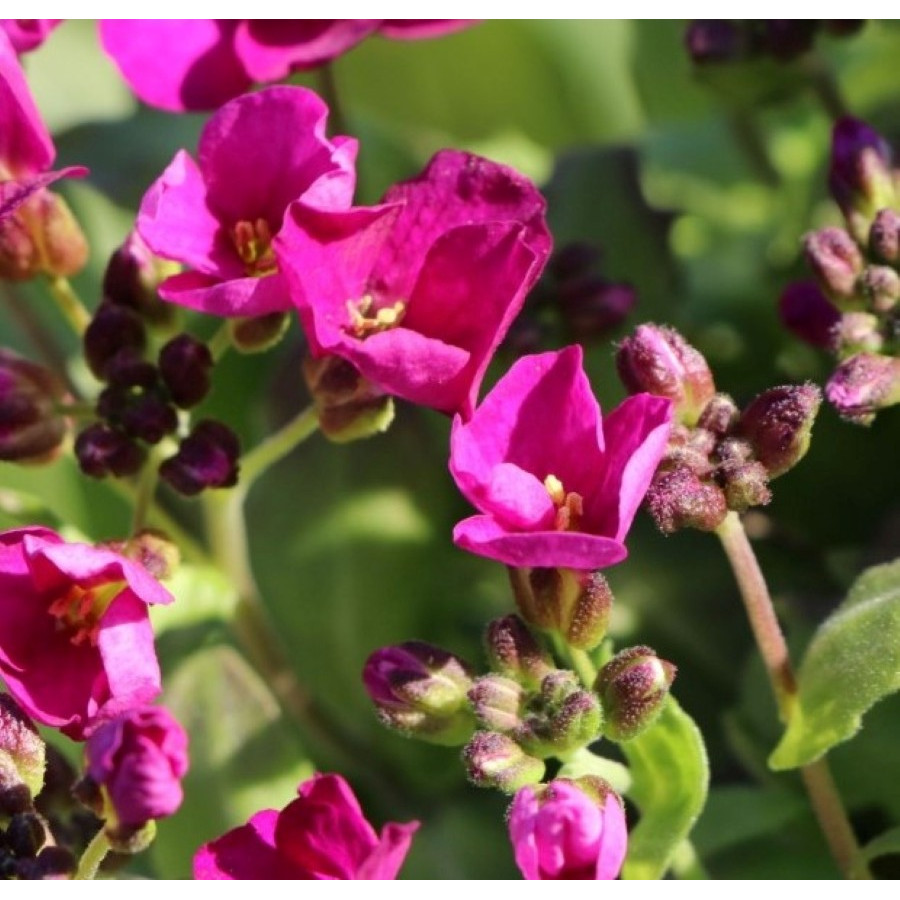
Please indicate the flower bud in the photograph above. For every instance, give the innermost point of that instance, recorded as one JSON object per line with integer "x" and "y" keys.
{"x": 256, "y": 334}
{"x": 884, "y": 235}
{"x": 678, "y": 499}
{"x": 836, "y": 261}
{"x": 153, "y": 550}
{"x": 857, "y": 332}
{"x": 633, "y": 686}
{"x": 714, "y": 41}
{"x": 22, "y": 755}
{"x": 745, "y": 484}
{"x": 592, "y": 306}
{"x": 808, "y": 313}
{"x": 112, "y": 331}
{"x": 206, "y": 458}
{"x": 184, "y": 366}
{"x": 864, "y": 384}
{"x": 102, "y": 451}
{"x": 786, "y": 39}
{"x": 513, "y": 651}
{"x": 880, "y": 286}
{"x": 778, "y": 424}
{"x": 719, "y": 416}
{"x": 31, "y": 429}
{"x": 420, "y": 690}
{"x": 497, "y": 761}
{"x": 132, "y": 276}
{"x": 660, "y": 361}
{"x": 497, "y": 702}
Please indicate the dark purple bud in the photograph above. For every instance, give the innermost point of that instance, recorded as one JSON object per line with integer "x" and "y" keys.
{"x": 884, "y": 235}
{"x": 835, "y": 260}
{"x": 786, "y": 39}
{"x": 881, "y": 287}
{"x": 526, "y": 335}
{"x": 132, "y": 277}
{"x": 22, "y": 754}
{"x": 864, "y": 384}
{"x": 843, "y": 27}
{"x": 678, "y": 499}
{"x": 860, "y": 177}
{"x": 513, "y": 651}
{"x": 55, "y": 863}
{"x": 184, "y": 365}
{"x": 633, "y": 686}
{"x": 714, "y": 40}
{"x": 149, "y": 418}
{"x": 112, "y": 330}
{"x": 574, "y": 260}
{"x": 497, "y": 761}
{"x": 497, "y": 702}
{"x": 593, "y": 306}
{"x": 807, "y": 313}
{"x": 206, "y": 458}
{"x": 25, "y": 835}
{"x": 31, "y": 428}
{"x": 102, "y": 451}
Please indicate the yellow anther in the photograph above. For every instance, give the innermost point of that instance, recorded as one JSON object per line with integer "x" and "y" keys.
{"x": 364, "y": 321}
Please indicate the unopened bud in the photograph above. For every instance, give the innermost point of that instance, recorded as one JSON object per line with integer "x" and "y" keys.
{"x": 497, "y": 702}
{"x": 131, "y": 839}
{"x": 678, "y": 499}
{"x": 22, "y": 754}
{"x": 864, "y": 384}
{"x": 857, "y": 332}
{"x": 496, "y": 761}
{"x": 884, "y": 235}
{"x": 660, "y": 361}
{"x": 573, "y": 260}
{"x": 836, "y": 261}
{"x": 256, "y": 334}
{"x": 513, "y": 651}
{"x": 420, "y": 690}
{"x": 102, "y": 451}
{"x": 786, "y": 39}
{"x": 808, "y": 313}
{"x": 778, "y": 424}
{"x": 719, "y": 415}
{"x": 592, "y": 306}
{"x": 881, "y": 287}
{"x": 112, "y": 331}
{"x": 206, "y": 458}
{"x": 132, "y": 276}
{"x": 633, "y": 686}
{"x": 745, "y": 484}
{"x": 153, "y": 550}
{"x": 31, "y": 428}
{"x": 714, "y": 41}
{"x": 184, "y": 366}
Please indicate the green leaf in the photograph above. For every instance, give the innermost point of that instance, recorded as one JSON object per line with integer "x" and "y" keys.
{"x": 852, "y": 662}
{"x": 887, "y": 844}
{"x": 671, "y": 775}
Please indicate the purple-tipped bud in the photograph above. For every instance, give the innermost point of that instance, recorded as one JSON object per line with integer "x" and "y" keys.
{"x": 592, "y": 306}
{"x": 778, "y": 424}
{"x": 719, "y": 416}
{"x": 860, "y": 177}
{"x": 112, "y": 331}
{"x": 857, "y": 332}
{"x": 786, "y": 39}
{"x": 633, "y": 686}
{"x": 31, "y": 428}
{"x": 22, "y": 757}
{"x": 678, "y": 499}
{"x": 881, "y": 287}
{"x": 714, "y": 40}
{"x": 658, "y": 360}
{"x": 513, "y": 651}
{"x": 808, "y": 314}
{"x": 420, "y": 690}
{"x": 184, "y": 365}
{"x": 132, "y": 277}
{"x": 102, "y": 451}
{"x": 206, "y": 458}
{"x": 745, "y": 484}
{"x": 836, "y": 262}
{"x": 497, "y": 702}
{"x": 884, "y": 235}
{"x": 494, "y": 760}
{"x": 864, "y": 384}
{"x": 258, "y": 333}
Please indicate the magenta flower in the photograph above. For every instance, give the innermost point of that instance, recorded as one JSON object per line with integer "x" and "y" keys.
{"x": 418, "y": 292}
{"x": 560, "y": 833}
{"x": 140, "y": 758}
{"x": 199, "y": 64}
{"x": 28, "y": 34}
{"x": 556, "y": 486}
{"x": 322, "y": 835}
{"x": 76, "y": 641}
{"x": 220, "y": 214}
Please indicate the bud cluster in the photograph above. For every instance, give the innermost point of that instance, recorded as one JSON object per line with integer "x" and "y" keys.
{"x": 719, "y": 457}
{"x": 851, "y": 308}
{"x": 140, "y": 403}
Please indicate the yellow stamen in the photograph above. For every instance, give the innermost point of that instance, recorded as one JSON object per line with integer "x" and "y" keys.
{"x": 253, "y": 242}
{"x": 79, "y": 610}
{"x": 569, "y": 505}
{"x": 364, "y": 321}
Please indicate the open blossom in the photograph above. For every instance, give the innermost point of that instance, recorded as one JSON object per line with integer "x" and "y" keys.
{"x": 559, "y": 833}
{"x": 76, "y": 641}
{"x": 556, "y": 485}
{"x": 219, "y": 215}
{"x": 139, "y": 757}
{"x": 418, "y": 292}
{"x": 322, "y": 835}
{"x": 198, "y": 64}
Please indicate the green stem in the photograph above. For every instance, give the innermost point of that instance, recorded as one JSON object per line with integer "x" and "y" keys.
{"x": 823, "y": 793}
{"x": 70, "y": 304}
{"x": 328, "y": 89}
{"x": 277, "y": 446}
{"x": 93, "y": 856}
{"x": 220, "y": 343}
{"x": 143, "y": 497}
{"x": 686, "y": 865}
{"x": 583, "y": 665}
{"x": 826, "y": 88}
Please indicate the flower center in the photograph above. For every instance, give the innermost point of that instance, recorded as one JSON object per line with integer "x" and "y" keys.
{"x": 253, "y": 242}
{"x": 569, "y": 505}
{"x": 364, "y": 320}
{"x": 79, "y": 610}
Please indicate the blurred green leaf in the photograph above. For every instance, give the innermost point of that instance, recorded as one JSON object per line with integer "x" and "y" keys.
{"x": 671, "y": 774}
{"x": 852, "y": 662}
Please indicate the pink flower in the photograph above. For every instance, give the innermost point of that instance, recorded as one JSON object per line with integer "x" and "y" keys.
{"x": 200, "y": 63}
{"x": 418, "y": 292}
{"x": 560, "y": 833}
{"x": 140, "y": 758}
{"x": 322, "y": 835}
{"x": 556, "y": 486}
{"x": 28, "y": 34}
{"x": 220, "y": 214}
{"x": 76, "y": 641}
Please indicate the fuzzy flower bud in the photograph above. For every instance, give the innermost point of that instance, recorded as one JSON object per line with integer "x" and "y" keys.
{"x": 745, "y": 484}
{"x": 633, "y": 686}
{"x": 864, "y": 384}
{"x": 568, "y": 830}
{"x": 497, "y": 702}
{"x": 884, "y": 235}
{"x": 513, "y": 651}
{"x": 880, "y": 286}
{"x": 808, "y": 313}
{"x": 496, "y": 761}
{"x": 836, "y": 261}
{"x": 22, "y": 757}
{"x": 420, "y": 690}
{"x": 778, "y": 424}
{"x": 678, "y": 499}
{"x": 658, "y": 360}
